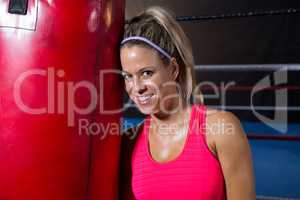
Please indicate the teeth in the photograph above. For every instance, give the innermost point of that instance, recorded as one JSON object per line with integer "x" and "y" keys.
{"x": 144, "y": 98}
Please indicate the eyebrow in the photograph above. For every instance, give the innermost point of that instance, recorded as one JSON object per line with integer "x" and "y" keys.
{"x": 140, "y": 70}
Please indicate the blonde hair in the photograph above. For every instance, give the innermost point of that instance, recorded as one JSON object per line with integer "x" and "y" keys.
{"x": 159, "y": 26}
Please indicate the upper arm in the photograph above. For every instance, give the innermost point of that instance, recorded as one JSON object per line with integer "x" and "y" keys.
{"x": 234, "y": 155}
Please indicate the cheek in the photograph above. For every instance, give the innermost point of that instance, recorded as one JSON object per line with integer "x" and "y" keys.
{"x": 157, "y": 83}
{"x": 128, "y": 87}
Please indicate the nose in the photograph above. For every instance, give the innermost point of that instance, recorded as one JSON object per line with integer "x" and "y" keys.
{"x": 139, "y": 87}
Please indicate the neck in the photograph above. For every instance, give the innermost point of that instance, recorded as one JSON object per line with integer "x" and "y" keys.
{"x": 174, "y": 113}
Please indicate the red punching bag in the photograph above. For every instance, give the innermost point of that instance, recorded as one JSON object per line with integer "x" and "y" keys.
{"x": 105, "y": 157}
{"x": 52, "y": 53}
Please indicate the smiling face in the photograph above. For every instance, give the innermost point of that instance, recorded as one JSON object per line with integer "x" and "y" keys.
{"x": 146, "y": 76}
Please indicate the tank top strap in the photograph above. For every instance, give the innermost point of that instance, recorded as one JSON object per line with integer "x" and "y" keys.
{"x": 199, "y": 124}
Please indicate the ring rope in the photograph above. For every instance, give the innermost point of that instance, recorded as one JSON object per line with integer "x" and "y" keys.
{"x": 273, "y": 198}
{"x": 257, "y": 13}
{"x": 240, "y": 15}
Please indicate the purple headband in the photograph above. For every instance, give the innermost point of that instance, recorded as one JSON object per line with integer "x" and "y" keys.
{"x": 149, "y": 43}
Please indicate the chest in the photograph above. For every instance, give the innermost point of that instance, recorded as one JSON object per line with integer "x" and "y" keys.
{"x": 166, "y": 148}
{"x": 192, "y": 174}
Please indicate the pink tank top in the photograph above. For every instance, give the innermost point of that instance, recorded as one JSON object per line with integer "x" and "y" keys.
{"x": 194, "y": 174}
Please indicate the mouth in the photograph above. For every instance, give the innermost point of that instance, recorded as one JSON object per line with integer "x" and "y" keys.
{"x": 144, "y": 99}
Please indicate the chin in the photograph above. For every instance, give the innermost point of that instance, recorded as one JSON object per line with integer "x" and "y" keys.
{"x": 146, "y": 111}
{"x": 148, "y": 108}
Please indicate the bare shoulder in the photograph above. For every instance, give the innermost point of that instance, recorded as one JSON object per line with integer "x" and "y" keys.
{"x": 220, "y": 114}
{"x": 232, "y": 149}
{"x": 222, "y": 122}
{"x": 223, "y": 129}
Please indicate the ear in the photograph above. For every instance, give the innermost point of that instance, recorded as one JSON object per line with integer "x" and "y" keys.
{"x": 174, "y": 69}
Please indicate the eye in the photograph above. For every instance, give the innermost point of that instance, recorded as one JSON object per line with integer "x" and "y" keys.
{"x": 127, "y": 77}
{"x": 147, "y": 74}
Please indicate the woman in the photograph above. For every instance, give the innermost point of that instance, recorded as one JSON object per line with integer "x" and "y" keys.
{"x": 181, "y": 151}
